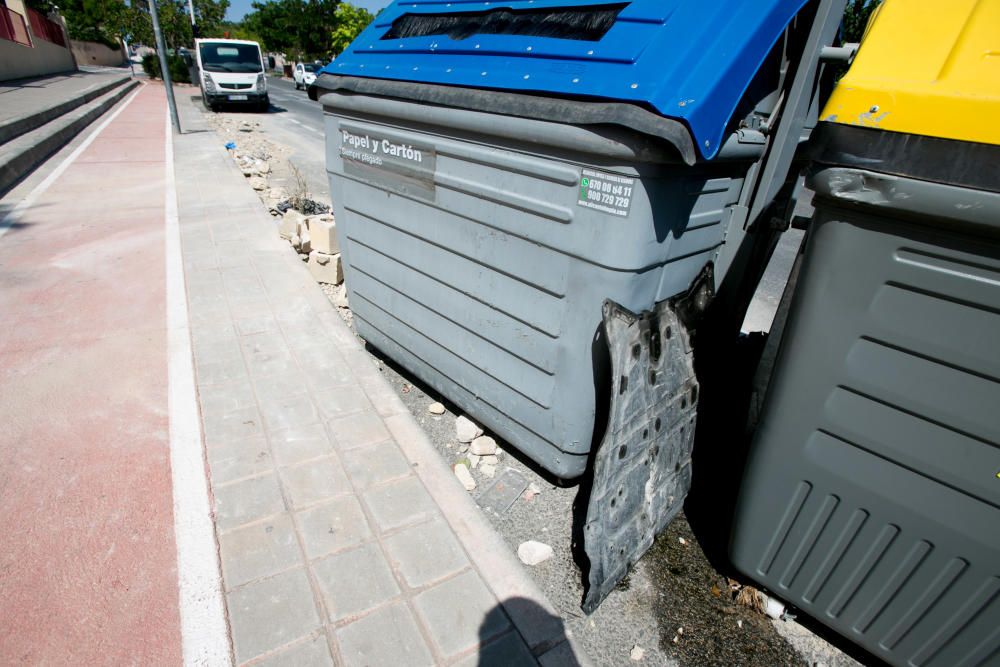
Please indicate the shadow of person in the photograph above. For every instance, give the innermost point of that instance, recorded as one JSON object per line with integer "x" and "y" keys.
{"x": 510, "y": 630}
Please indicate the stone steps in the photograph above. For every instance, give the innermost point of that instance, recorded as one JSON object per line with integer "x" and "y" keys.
{"x": 26, "y": 141}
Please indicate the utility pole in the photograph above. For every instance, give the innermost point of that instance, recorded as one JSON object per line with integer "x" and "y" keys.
{"x": 194, "y": 26}
{"x": 161, "y": 51}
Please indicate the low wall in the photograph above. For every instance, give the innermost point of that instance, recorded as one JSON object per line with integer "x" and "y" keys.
{"x": 92, "y": 53}
{"x": 18, "y": 62}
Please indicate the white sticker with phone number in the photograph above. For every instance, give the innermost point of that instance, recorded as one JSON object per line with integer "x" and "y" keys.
{"x": 606, "y": 192}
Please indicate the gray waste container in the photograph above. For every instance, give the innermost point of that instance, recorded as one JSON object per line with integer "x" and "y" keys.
{"x": 871, "y": 499}
{"x": 871, "y": 496}
{"x": 534, "y": 204}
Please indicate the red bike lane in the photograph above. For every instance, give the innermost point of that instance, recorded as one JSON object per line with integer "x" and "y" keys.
{"x": 88, "y": 569}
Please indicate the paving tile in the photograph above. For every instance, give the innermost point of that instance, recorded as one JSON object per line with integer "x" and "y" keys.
{"x": 235, "y": 425}
{"x": 246, "y": 501}
{"x": 425, "y": 553}
{"x": 321, "y": 352}
{"x": 270, "y": 613}
{"x": 339, "y": 524}
{"x": 355, "y": 581}
{"x": 310, "y": 653}
{"x": 388, "y": 636}
{"x": 277, "y": 386}
{"x": 237, "y": 459}
{"x": 287, "y": 411}
{"x": 217, "y": 400}
{"x": 258, "y": 551}
{"x": 507, "y": 650}
{"x": 281, "y": 364}
{"x": 247, "y": 308}
{"x": 342, "y": 401}
{"x": 400, "y": 503}
{"x": 300, "y": 443}
{"x": 460, "y": 613}
{"x": 311, "y": 482}
{"x": 219, "y": 370}
{"x": 248, "y": 326}
{"x": 326, "y": 377}
{"x": 375, "y": 464}
{"x": 364, "y": 428}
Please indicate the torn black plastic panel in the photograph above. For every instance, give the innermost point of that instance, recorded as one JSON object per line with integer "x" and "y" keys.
{"x": 642, "y": 468}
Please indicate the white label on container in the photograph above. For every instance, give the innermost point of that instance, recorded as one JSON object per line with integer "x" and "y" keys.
{"x": 606, "y": 192}
{"x": 399, "y": 165}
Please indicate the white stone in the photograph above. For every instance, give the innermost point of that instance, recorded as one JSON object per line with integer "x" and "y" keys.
{"x": 533, "y": 553}
{"x": 474, "y": 460}
{"x": 464, "y": 476}
{"x": 488, "y": 470}
{"x": 490, "y": 460}
{"x": 305, "y": 241}
{"x": 484, "y": 445}
{"x": 296, "y": 241}
{"x": 262, "y": 167}
{"x": 277, "y": 193}
{"x": 323, "y": 230}
{"x": 436, "y": 408}
{"x": 637, "y": 653}
{"x": 340, "y": 297}
{"x": 466, "y": 430}
{"x": 258, "y": 183}
{"x": 326, "y": 268}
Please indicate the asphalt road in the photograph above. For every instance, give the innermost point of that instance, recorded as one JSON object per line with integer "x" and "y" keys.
{"x": 675, "y": 605}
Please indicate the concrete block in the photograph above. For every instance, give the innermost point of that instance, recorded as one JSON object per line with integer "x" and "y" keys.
{"x": 289, "y": 225}
{"x": 347, "y": 593}
{"x": 326, "y": 268}
{"x": 323, "y": 231}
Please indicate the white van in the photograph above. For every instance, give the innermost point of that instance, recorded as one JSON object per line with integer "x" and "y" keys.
{"x": 231, "y": 71}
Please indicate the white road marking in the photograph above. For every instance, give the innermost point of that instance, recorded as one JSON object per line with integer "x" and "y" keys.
{"x": 204, "y": 631}
{"x": 15, "y": 214}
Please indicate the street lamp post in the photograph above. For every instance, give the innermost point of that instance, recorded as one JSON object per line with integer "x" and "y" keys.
{"x": 161, "y": 51}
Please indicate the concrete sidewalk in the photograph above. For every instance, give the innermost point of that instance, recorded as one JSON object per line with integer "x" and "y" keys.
{"x": 344, "y": 537}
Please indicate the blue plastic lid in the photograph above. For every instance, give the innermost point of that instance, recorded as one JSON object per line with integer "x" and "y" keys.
{"x": 687, "y": 59}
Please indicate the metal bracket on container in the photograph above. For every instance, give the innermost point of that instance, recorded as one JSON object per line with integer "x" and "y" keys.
{"x": 642, "y": 468}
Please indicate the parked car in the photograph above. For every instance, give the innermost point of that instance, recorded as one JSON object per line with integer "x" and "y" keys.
{"x": 231, "y": 71}
{"x": 304, "y": 75}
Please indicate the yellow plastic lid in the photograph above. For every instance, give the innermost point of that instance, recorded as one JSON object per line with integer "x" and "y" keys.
{"x": 926, "y": 67}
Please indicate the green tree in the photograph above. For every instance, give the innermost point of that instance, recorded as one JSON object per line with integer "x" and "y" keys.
{"x": 351, "y": 21}
{"x": 175, "y": 21}
{"x": 856, "y": 15}
{"x": 299, "y": 28}
{"x": 101, "y": 21}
